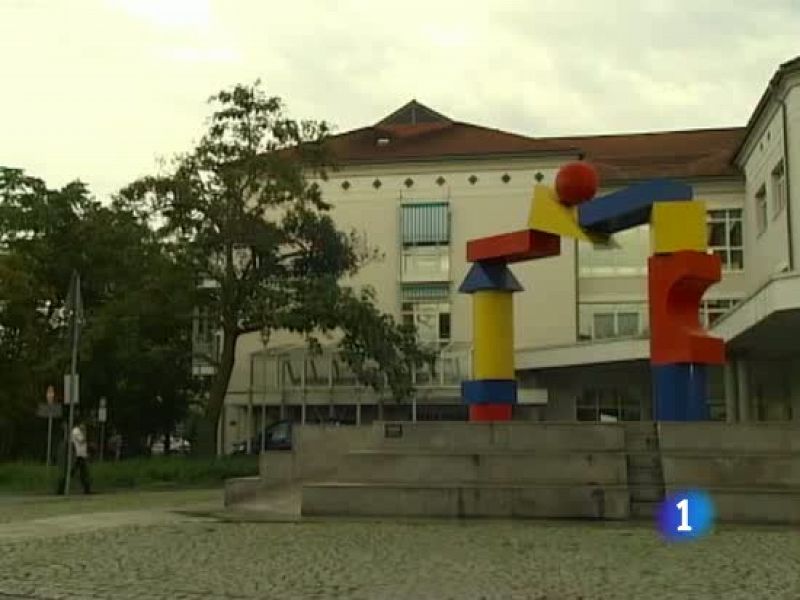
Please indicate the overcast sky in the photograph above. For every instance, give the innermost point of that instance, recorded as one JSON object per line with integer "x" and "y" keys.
{"x": 98, "y": 89}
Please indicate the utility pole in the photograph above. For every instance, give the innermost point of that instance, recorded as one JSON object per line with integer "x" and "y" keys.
{"x": 75, "y": 305}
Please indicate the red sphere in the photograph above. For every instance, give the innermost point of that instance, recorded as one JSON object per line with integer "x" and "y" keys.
{"x": 576, "y": 182}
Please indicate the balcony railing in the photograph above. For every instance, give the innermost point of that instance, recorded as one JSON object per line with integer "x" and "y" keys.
{"x": 299, "y": 371}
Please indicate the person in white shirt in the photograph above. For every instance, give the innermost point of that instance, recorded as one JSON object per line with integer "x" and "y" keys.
{"x": 80, "y": 458}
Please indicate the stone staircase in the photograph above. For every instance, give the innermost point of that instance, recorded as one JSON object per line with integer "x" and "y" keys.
{"x": 645, "y": 476}
{"x": 450, "y": 469}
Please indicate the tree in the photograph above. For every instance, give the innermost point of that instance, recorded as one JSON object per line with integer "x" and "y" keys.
{"x": 244, "y": 208}
{"x": 138, "y": 299}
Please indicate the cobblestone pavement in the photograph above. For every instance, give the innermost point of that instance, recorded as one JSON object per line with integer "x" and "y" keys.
{"x": 193, "y": 557}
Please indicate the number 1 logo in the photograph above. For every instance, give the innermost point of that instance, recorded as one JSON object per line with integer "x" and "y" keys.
{"x": 683, "y": 506}
{"x": 686, "y": 515}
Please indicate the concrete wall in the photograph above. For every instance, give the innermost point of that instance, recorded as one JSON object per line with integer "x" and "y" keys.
{"x": 317, "y": 451}
{"x": 722, "y": 437}
{"x": 752, "y": 471}
{"x": 504, "y": 436}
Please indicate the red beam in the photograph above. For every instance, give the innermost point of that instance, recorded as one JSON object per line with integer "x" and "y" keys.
{"x": 514, "y": 247}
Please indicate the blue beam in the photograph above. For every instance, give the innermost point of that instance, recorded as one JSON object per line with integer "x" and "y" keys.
{"x": 630, "y": 206}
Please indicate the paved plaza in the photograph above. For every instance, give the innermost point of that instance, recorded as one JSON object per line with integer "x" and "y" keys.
{"x": 180, "y": 545}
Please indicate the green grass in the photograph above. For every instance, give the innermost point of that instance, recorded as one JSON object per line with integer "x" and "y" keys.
{"x": 163, "y": 472}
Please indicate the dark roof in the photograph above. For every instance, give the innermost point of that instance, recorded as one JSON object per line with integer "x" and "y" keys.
{"x": 687, "y": 154}
{"x": 416, "y": 132}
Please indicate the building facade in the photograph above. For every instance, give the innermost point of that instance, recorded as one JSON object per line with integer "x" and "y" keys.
{"x": 418, "y": 185}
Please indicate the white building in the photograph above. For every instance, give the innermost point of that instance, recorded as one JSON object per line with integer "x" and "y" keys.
{"x": 418, "y": 185}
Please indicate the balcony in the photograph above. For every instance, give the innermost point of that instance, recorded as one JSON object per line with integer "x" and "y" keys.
{"x": 293, "y": 375}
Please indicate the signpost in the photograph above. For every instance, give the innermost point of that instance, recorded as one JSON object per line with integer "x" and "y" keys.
{"x": 50, "y": 396}
{"x": 75, "y": 307}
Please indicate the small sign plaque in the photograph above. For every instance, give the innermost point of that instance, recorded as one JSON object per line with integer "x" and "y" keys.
{"x": 46, "y": 411}
{"x": 393, "y": 430}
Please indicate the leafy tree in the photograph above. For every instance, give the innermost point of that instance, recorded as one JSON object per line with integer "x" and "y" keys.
{"x": 245, "y": 210}
{"x": 138, "y": 299}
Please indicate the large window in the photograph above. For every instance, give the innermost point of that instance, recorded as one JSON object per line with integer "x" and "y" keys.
{"x": 711, "y": 310}
{"x": 426, "y": 263}
{"x": 602, "y": 320}
{"x": 431, "y": 319}
{"x": 608, "y": 404}
{"x": 778, "y": 189}
{"x": 761, "y": 209}
{"x": 725, "y": 237}
{"x": 630, "y": 258}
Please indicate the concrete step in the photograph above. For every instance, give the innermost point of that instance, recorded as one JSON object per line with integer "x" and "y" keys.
{"x": 646, "y": 493}
{"x": 512, "y": 435}
{"x": 753, "y": 504}
{"x": 780, "y": 470}
{"x": 430, "y": 466}
{"x": 645, "y": 476}
{"x": 740, "y": 438}
{"x": 650, "y": 460}
{"x": 645, "y": 444}
{"x": 464, "y": 500}
{"x": 644, "y": 509}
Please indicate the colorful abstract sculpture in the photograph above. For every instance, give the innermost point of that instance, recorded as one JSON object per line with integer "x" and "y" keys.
{"x": 679, "y": 272}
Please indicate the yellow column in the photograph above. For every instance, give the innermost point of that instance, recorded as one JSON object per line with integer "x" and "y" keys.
{"x": 493, "y": 335}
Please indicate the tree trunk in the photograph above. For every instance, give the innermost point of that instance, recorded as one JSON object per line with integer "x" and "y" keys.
{"x": 219, "y": 388}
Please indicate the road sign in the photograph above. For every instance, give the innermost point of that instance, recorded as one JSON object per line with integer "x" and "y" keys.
{"x": 68, "y": 389}
{"x": 51, "y": 394}
{"x": 49, "y": 411}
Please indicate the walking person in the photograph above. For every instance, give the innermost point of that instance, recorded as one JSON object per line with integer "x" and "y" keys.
{"x": 80, "y": 459}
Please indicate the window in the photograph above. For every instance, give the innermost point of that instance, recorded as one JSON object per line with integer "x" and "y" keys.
{"x": 602, "y": 320}
{"x": 426, "y": 263}
{"x": 725, "y": 237}
{"x": 431, "y": 319}
{"x": 711, "y": 310}
{"x": 778, "y": 189}
{"x": 607, "y": 404}
{"x": 629, "y": 259}
{"x": 425, "y": 224}
{"x": 761, "y": 209}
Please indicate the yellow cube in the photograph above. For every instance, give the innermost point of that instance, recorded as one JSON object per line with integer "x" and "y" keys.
{"x": 678, "y": 225}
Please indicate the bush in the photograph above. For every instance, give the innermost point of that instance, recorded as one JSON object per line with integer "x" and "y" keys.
{"x": 142, "y": 473}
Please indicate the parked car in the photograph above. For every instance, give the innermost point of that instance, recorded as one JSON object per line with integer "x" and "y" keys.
{"x": 177, "y": 445}
{"x": 277, "y": 436}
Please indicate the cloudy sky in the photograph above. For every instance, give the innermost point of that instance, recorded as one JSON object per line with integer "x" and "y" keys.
{"x": 99, "y": 89}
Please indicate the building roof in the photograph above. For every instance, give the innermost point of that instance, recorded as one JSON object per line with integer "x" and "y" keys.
{"x": 790, "y": 66}
{"x": 416, "y": 132}
{"x": 686, "y": 154}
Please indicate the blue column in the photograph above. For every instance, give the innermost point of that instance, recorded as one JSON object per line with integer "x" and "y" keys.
{"x": 680, "y": 392}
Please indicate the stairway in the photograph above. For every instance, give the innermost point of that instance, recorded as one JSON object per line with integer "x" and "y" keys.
{"x": 507, "y": 470}
{"x": 645, "y": 475}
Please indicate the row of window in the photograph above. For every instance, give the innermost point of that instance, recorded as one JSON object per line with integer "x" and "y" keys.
{"x": 777, "y": 190}
{"x": 725, "y": 239}
{"x": 426, "y": 239}
{"x": 597, "y": 321}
